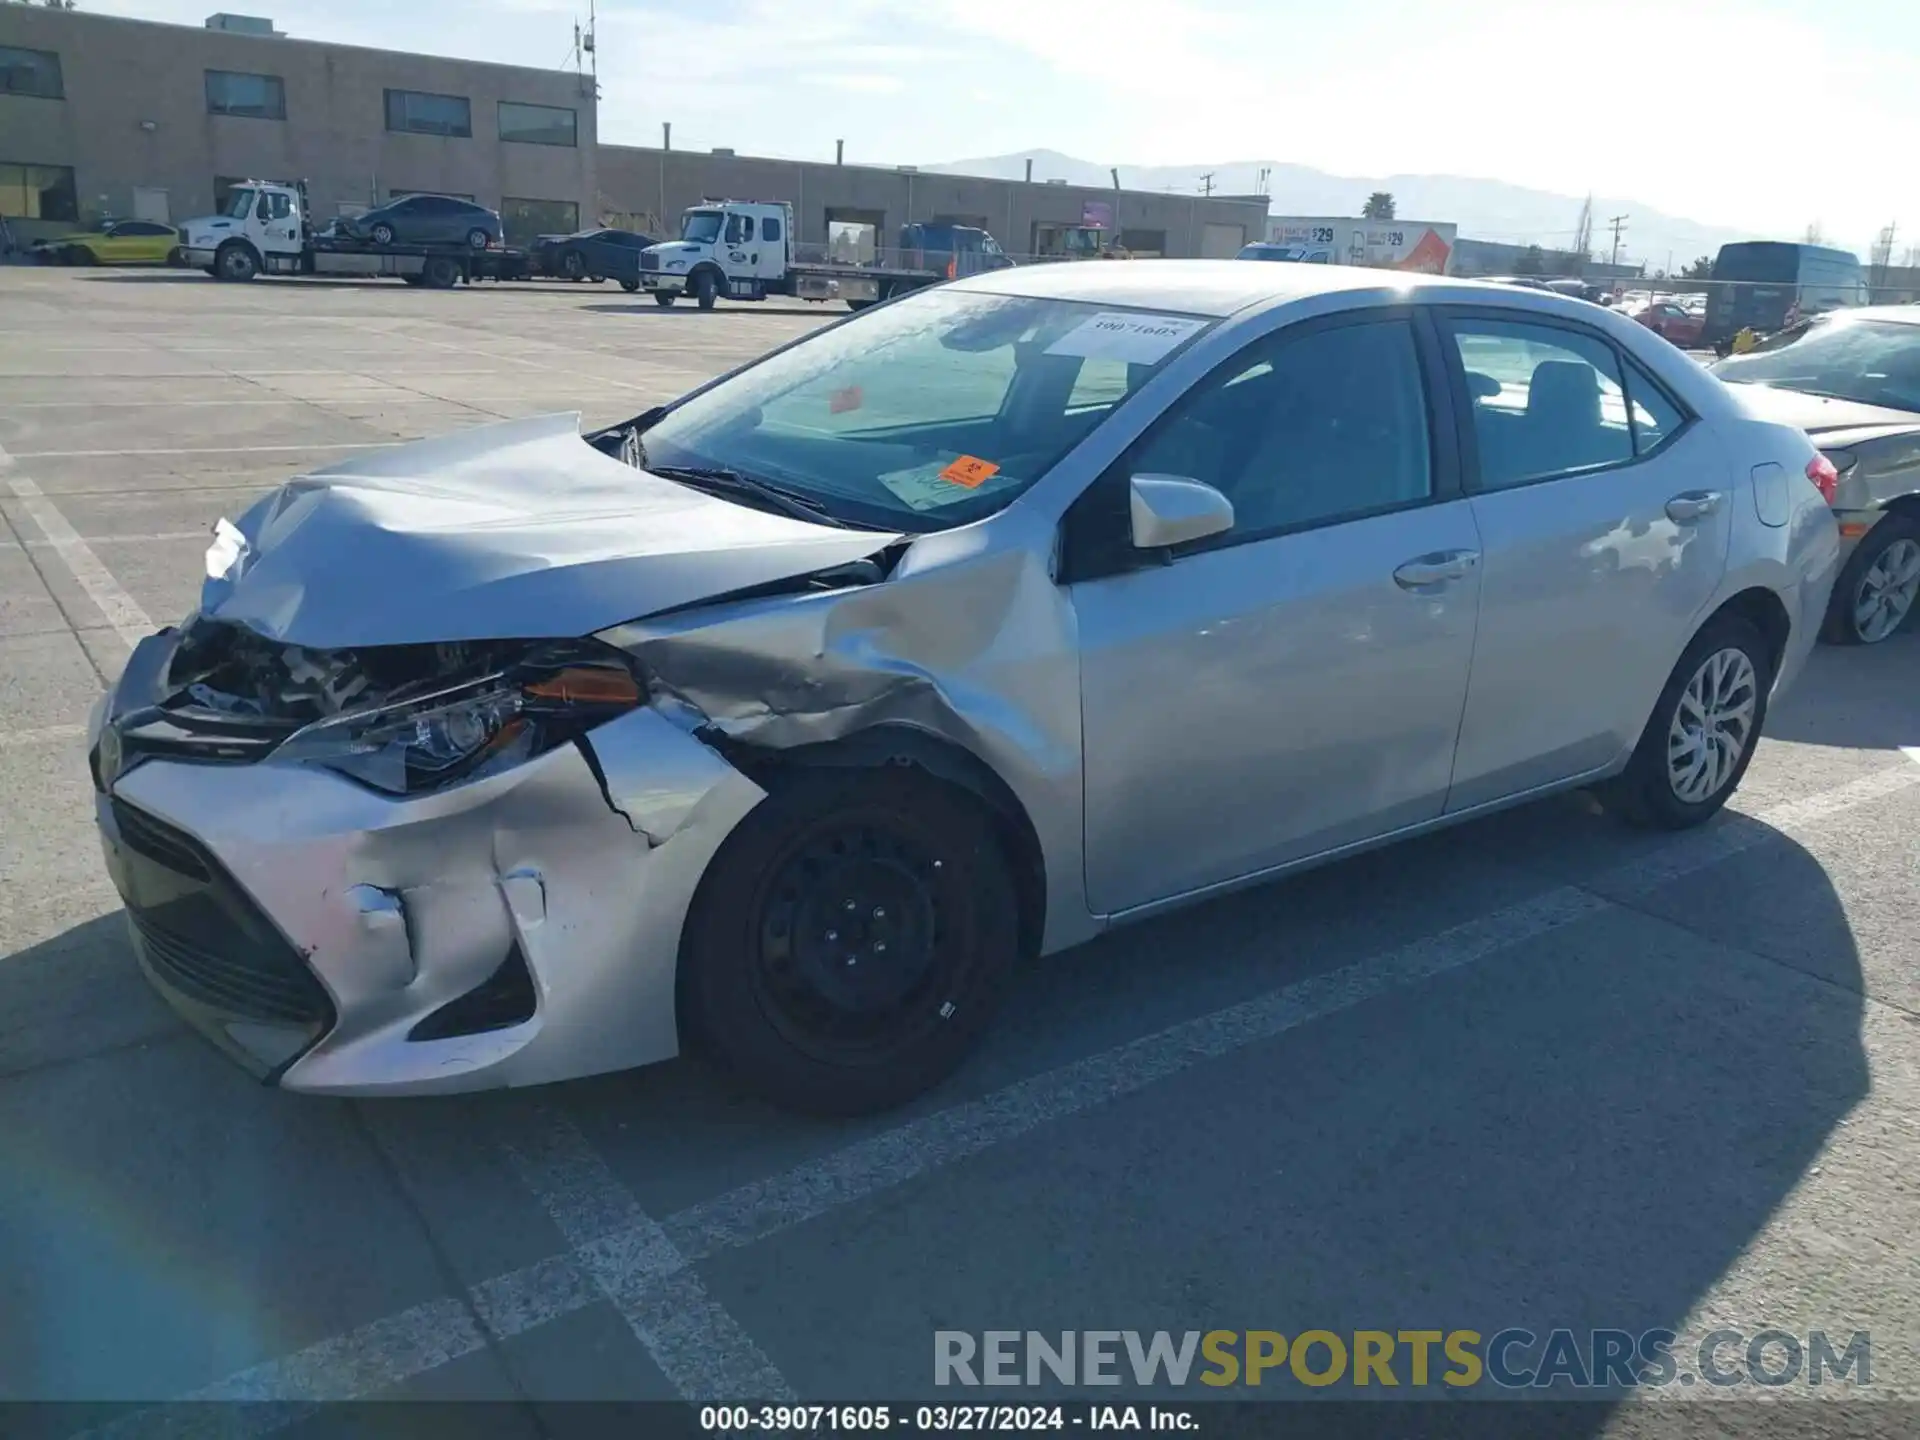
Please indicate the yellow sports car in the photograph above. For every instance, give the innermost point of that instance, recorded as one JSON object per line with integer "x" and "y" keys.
{"x": 115, "y": 242}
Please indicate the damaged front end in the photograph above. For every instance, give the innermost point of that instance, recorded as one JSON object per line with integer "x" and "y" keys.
{"x": 410, "y": 867}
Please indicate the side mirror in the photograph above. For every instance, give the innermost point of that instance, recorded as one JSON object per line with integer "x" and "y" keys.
{"x": 1166, "y": 510}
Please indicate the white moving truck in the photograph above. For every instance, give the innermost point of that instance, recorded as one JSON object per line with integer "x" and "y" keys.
{"x": 1417, "y": 245}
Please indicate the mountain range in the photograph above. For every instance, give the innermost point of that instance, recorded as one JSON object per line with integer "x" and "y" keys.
{"x": 1483, "y": 209}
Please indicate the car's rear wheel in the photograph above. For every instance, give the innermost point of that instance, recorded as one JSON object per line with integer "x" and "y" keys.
{"x": 477, "y": 239}
{"x": 1879, "y": 589}
{"x": 383, "y": 234}
{"x": 851, "y": 941}
{"x": 1701, "y": 736}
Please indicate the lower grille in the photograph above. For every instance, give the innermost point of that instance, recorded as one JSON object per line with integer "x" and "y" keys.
{"x": 504, "y": 999}
{"x": 252, "y": 985}
{"x": 203, "y": 935}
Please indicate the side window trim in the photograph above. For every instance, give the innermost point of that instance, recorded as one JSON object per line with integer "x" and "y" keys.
{"x": 1444, "y": 318}
{"x": 1443, "y": 458}
{"x": 1632, "y": 372}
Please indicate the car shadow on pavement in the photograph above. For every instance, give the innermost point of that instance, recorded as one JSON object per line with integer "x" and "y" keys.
{"x": 1863, "y": 697}
{"x": 1586, "y": 1130}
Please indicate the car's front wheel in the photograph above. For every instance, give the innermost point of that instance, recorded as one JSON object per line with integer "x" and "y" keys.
{"x": 476, "y": 239}
{"x": 1878, "y": 589}
{"x": 383, "y": 234}
{"x": 851, "y": 940}
{"x": 1701, "y": 736}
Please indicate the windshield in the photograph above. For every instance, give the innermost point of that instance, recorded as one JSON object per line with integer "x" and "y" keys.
{"x": 1876, "y": 362}
{"x": 933, "y": 411}
{"x": 239, "y": 204}
{"x": 701, "y": 226}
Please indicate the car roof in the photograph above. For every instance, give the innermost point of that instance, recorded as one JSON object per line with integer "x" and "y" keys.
{"x": 1224, "y": 287}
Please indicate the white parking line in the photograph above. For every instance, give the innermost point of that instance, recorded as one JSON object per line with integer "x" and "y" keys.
{"x": 122, "y": 611}
{"x": 698, "y": 1346}
{"x": 643, "y": 1257}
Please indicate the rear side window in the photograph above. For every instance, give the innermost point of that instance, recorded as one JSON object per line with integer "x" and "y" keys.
{"x": 770, "y": 229}
{"x": 1546, "y": 401}
{"x": 1656, "y": 418}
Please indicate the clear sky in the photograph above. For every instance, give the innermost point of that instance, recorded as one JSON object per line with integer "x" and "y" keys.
{"x": 1766, "y": 115}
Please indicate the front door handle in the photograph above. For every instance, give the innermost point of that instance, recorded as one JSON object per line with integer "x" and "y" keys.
{"x": 1427, "y": 571}
{"x": 1692, "y": 505}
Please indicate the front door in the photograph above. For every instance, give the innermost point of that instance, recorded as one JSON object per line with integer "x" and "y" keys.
{"x": 1605, "y": 517}
{"x": 1295, "y": 684}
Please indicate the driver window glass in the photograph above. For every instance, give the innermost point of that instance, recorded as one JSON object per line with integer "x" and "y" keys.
{"x": 733, "y": 235}
{"x": 279, "y": 207}
{"x": 262, "y": 210}
{"x": 1304, "y": 430}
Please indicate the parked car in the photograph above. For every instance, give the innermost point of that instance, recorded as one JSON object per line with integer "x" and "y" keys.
{"x": 1672, "y": 323}
{"x": 789, "y": 716}
{"x": 426, "y": 220}
{"x": 112, "y": 242}
{"x": 1851, "y": 380}
{"x": 593, "y": 255}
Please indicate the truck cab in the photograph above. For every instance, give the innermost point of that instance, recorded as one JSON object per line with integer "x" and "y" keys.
{"x": 264, "y": 227}
{"x": 737, "y": 248}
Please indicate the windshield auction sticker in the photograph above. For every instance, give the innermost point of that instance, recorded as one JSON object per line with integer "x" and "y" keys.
{"x": 1118, "y": 335}
{"x": 942, "y": 482}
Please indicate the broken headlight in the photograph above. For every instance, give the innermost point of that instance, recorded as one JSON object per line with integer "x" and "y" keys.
{"x": 467, "y": 731}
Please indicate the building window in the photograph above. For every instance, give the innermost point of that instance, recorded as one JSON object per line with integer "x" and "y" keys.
{"x": 538, "y": 124}
{"x": 39, "y": 192}
{"x": 30, "y": 72}
{"x": 259, "y": 97}
{"x": 423, "y": 114}
{"x": 524, "y": 220}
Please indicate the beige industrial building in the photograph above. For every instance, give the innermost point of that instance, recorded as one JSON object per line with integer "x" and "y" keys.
{"x": 129, "y": 118}
{"x": 102, "y": 116}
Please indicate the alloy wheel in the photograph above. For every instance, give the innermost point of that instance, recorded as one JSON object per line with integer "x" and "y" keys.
{"x": 1712, "y": 726}
{"x": 1886, "y": 593}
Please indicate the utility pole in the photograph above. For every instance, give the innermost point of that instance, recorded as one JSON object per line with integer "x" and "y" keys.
{"x": 1206, "y": 183}
{"x": 1617, "y": 224}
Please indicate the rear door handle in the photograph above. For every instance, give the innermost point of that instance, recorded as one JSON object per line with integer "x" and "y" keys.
{"x": 1692, "y": 505}
{"x": 1426, "y": 571}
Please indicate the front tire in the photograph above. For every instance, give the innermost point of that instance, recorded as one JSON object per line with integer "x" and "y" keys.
{"x": 705, "y": 291}
{"x": 1703, "y": 731}
{"x": 851, "y": 941}
{"x": 1878, "y": 590}
{"x": 236, "y": 261}
{"x": 383, "y": 234}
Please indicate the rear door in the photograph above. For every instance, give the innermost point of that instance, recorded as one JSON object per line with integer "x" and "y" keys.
{"x": 1605, "y": 515}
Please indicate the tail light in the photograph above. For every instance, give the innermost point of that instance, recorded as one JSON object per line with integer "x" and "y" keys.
{"x": 1825, "y": 478}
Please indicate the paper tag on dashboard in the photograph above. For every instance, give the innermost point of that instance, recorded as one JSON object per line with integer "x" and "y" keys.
{"x": 1118, "y": 335}
{"x": 928, "y": 487}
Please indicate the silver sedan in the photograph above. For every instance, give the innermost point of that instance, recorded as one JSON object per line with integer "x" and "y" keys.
{"x": 785, "y": 720}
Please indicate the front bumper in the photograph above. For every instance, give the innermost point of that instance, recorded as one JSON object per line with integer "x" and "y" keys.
{"x": 515, "y": 930}
{"x": 198, "y": 256}
{"x": 663, "y": 282}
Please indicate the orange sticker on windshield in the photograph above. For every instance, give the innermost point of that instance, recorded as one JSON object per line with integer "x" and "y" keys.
{"x": 842, "y": 401}
{"x": 969, "y": 470}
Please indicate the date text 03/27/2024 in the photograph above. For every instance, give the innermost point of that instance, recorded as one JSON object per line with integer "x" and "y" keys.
{"x": 941, "y": 1419}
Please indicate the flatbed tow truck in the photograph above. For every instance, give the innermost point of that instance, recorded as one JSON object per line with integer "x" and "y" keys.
{"x": 268, "y": 230}
{"x": 745, "y": 250}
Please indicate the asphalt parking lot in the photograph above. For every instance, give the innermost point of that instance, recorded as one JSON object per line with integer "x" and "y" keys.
{"x": 1541, "y": 1071}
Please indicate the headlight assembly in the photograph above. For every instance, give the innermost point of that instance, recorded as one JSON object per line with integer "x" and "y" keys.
{"x": 467, "y": 731}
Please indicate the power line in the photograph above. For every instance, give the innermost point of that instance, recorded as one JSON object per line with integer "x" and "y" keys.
{"x": 1206, "y": 183}
{"x": 1616, "y": 224}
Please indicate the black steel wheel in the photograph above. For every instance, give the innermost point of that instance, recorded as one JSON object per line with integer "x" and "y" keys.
{"x": 851, "y": 941}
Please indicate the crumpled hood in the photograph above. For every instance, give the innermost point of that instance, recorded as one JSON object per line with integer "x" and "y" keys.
{"x": 519, "y": 530}
{"x": 1816, "y": 414}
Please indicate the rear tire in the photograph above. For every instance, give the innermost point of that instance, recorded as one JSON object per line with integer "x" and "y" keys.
{"x": 1879, "y": 588}
{"x": 383, "y": 234}
{"x": 477, "y": 239}
{"x": 439, "y": 273}
{"x": 1703, "y": 731}
{"x": 834, "y": 871}
{"x": 705, "y": 291}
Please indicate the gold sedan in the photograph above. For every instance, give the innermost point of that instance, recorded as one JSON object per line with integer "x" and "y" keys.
{"x": 120, "y": 242}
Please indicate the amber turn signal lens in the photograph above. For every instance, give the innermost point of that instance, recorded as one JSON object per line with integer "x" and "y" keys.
{"x": 587, "y": 685}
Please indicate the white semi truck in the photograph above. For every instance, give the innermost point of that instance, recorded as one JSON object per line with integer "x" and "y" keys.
{"x": 745, "y": 250}
{"x": 268, "y": 229}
